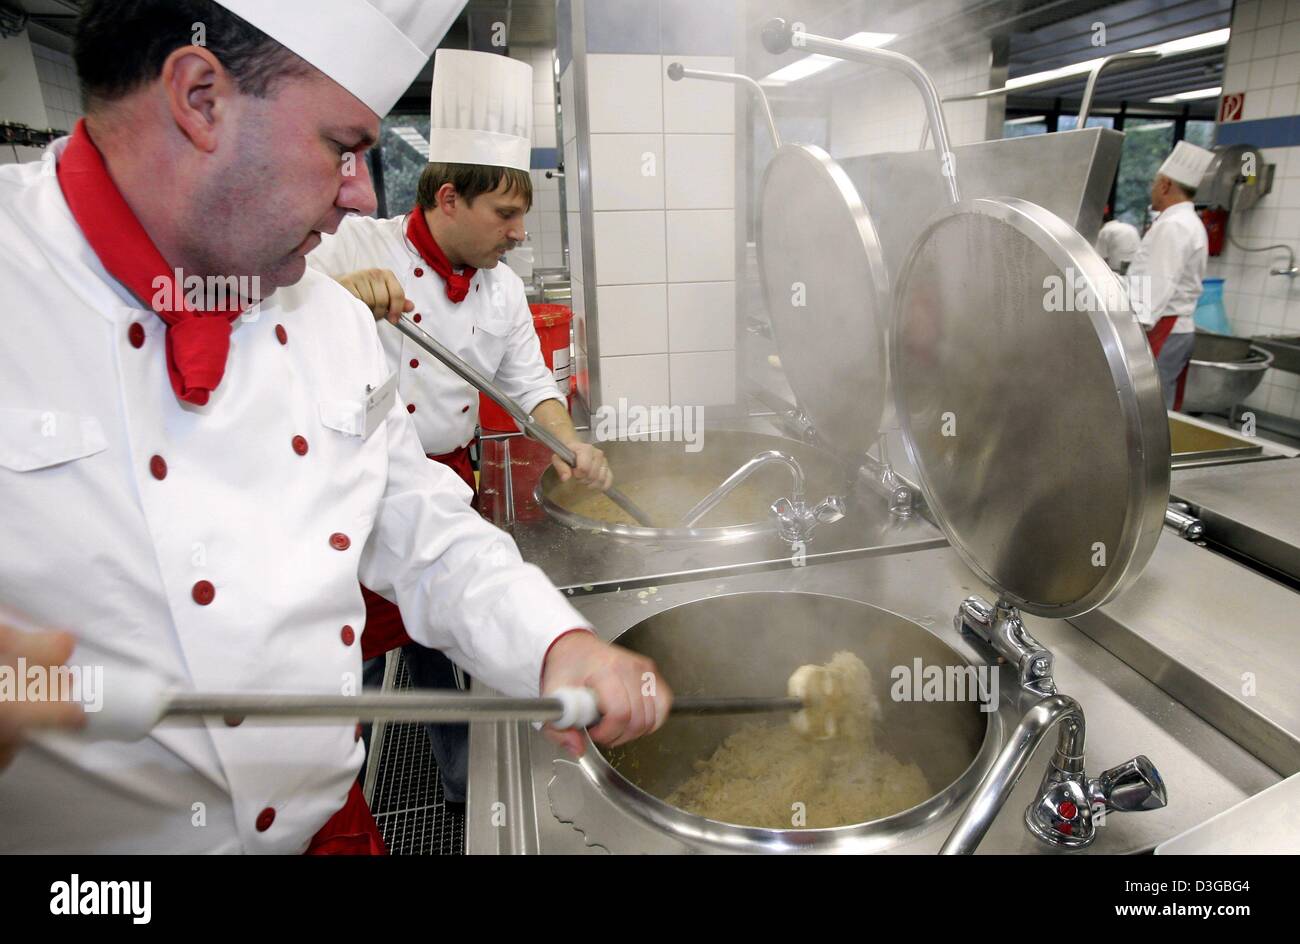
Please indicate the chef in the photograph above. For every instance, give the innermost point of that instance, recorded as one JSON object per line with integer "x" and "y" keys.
{"x": 193, "y": 486}
{"x": 1165, "y": 277}
{"x": 1117, "y": 242}
{"x": 442, "y": 262}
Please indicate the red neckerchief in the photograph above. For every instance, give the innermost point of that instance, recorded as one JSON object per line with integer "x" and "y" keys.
{"x": 198, "y": 343}
{"x": 417, "y": 231}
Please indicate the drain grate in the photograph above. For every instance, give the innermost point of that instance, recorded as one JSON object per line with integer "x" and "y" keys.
{"x": 408, "y": 802}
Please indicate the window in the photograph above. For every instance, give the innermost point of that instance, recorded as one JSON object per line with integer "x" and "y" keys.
{"x": 1070, "y": 122}
{"x": 401, "y": 161}
{"x": 1024, "y": 125}
{"x": 1147, "y": 142}
{"x": 1200, "y": 132}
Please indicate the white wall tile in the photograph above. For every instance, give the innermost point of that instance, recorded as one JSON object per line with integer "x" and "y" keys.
{"x": 1292, "y": 10}
{"x": 1288, "y": 65}
{"x": 695, "y": 106}
{"x": 633, "y": 319}
{"x": 1235, "y": 77}
{"x": 624, "y": 93}
{"x": 544, "y": 135}
{"x": 1244, "y": 16}
{"x": 1271, "y": 13}
{"x": 701, "y": 245}
{"x": 642, "y": 379}
{"x": 1261, "y": 75}
{"x": 706, "y": 378}
{"x": 629, "y": 247}
{"x": 700, "y": 171}
{"x": 701, "y": 316}
{"x": 627, "y": 171}
{"x": 1267, "y": 43}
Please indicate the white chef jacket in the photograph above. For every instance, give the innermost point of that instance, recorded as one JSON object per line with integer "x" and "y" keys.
{"x": 1118, "y": 243}
{"x": 491, "y": 329}
{"x": 1165, "y": 277}
{"x": 95, "y": 542}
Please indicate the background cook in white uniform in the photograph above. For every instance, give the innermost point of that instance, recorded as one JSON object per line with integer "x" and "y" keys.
{"x": 491, "y": 330}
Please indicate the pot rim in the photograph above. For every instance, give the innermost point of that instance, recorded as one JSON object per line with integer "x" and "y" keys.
{"x": 865, "y": 837}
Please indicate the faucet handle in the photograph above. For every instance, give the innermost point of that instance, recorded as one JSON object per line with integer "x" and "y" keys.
{"x": 829, "y": 509}
{"x": 1132, "y": 786}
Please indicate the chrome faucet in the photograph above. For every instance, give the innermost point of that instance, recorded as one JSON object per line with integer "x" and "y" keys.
{"x": 795, "y": 518}
{"x": 1069, "y": 806}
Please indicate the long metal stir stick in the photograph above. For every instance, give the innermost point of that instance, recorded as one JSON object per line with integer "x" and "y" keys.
{"x": 441, "y": 706}
{"x": 526, "y": 422}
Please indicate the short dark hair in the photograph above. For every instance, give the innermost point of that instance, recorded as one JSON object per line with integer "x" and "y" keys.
{"x": 470, "y": 181}
{"x": 122, "y": 44}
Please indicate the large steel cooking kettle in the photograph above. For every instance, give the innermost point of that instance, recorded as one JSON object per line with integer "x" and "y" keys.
{"x": 748, "y": 644}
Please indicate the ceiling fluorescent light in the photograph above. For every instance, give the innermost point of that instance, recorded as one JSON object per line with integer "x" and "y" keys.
{"x": 811, "y": 65}
{"x": 1188, "y": 96}
{"x": 1174, "y": 47}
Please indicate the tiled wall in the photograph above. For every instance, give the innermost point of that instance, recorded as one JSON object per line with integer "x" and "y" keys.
{"x": 656, "y": 311}
{"x": 543, "y": 221}
{"x": 20, "y": 94}
{"x": 58, "y": 75}
{"x": 1263, "y": 60}
{"x": 883, "y": 111}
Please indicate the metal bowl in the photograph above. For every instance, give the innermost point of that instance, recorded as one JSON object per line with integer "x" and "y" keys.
{"x": 641, "y": 468}
{"x": 1223, "y": 372}
{"x": 748, "y": 644}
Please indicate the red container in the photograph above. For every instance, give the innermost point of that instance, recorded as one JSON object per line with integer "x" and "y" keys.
{"x": 553, "y": 324}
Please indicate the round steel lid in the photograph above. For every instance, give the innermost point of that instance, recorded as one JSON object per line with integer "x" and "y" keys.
{"x": 826, "y": 289}
{"x": 1030, "y": 405}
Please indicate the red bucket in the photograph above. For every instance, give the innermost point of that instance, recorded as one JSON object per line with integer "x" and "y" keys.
{"x": 553, "y": 324}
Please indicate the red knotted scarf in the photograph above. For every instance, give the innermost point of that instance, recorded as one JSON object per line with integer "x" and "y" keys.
{"x": 417, "y": 231}
{"x": 198, "y": 343}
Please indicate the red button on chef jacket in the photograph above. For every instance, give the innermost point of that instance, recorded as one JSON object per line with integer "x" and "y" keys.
{"x": 299, "y": 445}
{"x": 281, "y": 335}
{"x": 158, "y": 467}
{"x": 135, "y": 334}
{"x": 265, "y": 819}
{"x": 203, "y": 592}
{"x": 340, "y": 541}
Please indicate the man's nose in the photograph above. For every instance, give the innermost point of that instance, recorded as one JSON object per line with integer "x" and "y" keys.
{"x": 358, "y": 190}
{"x": 516, "y": 231}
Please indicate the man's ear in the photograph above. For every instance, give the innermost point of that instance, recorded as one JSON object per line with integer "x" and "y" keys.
{"x": 448, "y": 199}
{"x": 198, "y": 90}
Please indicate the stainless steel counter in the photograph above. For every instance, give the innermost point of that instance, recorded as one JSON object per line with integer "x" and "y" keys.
{"x": 1206, "y": 772}
{"x": 1254, "y": 509}
{"x": 1219, "y": 637}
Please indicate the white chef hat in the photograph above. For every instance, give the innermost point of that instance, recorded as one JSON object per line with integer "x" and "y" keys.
{"x": 1187, "y": 164}
{"x": 481, "y": 111}
{"x": 373, "y": 48}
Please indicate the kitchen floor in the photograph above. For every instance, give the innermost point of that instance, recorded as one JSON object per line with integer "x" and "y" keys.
{"x": 408, "y": 802}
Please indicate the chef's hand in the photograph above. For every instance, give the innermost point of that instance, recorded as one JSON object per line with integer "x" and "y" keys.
{"x": 592, "y": 469}
{"x": 18, "y": 718}
{"x": 381, "y": 292}
{"x": 632, "y": 697}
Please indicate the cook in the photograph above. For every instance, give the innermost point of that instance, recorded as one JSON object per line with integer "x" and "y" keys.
{"x": 1117, "y": 242}
{"x": 1166, "y": 275}
{"x": 197, "y": 492}
{"x": 441, "y": 261}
